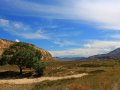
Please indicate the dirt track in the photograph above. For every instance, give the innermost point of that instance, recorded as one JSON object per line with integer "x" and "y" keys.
{"x": 36, "y": 80}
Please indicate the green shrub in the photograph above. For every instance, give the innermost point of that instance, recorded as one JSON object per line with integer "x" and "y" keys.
{"x": 39, "y": 67}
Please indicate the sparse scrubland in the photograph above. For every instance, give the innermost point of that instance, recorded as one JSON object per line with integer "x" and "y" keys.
{"x": 103, "y": 75}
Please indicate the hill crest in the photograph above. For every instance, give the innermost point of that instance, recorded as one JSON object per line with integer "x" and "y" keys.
{"x": 4, "y": 44}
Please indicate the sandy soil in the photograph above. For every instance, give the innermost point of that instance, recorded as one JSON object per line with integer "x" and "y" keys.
{"x": 36, "y": 80}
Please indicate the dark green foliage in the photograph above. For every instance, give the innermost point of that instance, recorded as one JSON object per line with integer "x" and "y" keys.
{"x": 23, "y": 55}
{"x": 39, "y": 67}
{"x": 5, "y": 59}
{"x": 23, "y": 58}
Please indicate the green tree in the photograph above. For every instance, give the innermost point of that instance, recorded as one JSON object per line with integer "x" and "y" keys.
{"x": 39, "y": 67}
{"x": 23, "y": 55}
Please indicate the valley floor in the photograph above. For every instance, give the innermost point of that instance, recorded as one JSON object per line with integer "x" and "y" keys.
{"x": 102, "y": 75}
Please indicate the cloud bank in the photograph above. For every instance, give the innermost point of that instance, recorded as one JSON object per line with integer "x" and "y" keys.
{"x": 27, "y": 32}
{"x": 103, "y": 14}
{"x": 93, "y": 47}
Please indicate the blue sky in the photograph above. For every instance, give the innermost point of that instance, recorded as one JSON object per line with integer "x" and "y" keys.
{"x": 63, "y": 27}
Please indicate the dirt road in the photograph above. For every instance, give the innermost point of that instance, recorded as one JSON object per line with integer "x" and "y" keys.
{"x": 36, "y": 80}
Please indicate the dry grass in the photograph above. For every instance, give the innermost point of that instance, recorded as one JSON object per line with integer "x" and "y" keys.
{"x": 76, "y": 67}
{"x": 104, "y": 75}
{"x": 76, "y": 86}
{"x": 15, "y": 87}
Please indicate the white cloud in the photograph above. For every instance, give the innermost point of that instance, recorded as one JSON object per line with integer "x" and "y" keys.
{"x": 12, "y": 25}
{"x": 115, "y": 36}
{"x": 4, "y": 22}
{"x": 81, "y": 52}
{"x": 102, "y": 44}
{"x": 62, "y": 43}
{"x": 20, "y": 29}
{"x": 34, "y": 35}
{"x": 17, "y": 40}
{"x": 25, "y": 31}
{"x": 105, "y": 13}
{"x": 93, "y": 47}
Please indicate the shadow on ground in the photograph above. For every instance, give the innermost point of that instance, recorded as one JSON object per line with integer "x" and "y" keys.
{"x": 14, "y": 75}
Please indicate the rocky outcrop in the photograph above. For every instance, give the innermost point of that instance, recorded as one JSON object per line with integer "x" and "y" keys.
{"x": 46, "y": 56}
{"x": 4, "y": 44}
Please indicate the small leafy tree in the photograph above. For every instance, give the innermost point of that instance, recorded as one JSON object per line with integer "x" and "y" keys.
{"x": 39, "y": 67}
{"x": 23, "y": 55}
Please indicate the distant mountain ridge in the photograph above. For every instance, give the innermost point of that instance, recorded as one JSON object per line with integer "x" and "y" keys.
{"x": 115, "y": 54}
{"x": 46, "y": 56}
{"x": 69, "y": 58}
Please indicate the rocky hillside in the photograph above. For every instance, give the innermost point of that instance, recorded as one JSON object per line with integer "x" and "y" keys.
{"x": 115, "y": 54}
{"x": 46, "y": 56}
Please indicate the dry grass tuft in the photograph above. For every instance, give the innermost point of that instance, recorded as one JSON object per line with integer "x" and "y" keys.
{"x": 76, "y": 86}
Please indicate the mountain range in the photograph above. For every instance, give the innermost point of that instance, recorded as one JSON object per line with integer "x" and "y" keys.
{"x": 115, "y": 54}
{"x": 69, "y": 58}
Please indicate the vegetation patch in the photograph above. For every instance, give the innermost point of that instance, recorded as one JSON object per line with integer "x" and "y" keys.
{"x": 23, "y": 55}
{"x": 95, "y": 65}
{"x": 96, "y": 71}
{"x": 90, "y": 65}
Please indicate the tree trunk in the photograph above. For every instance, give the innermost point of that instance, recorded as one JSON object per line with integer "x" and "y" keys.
{"x": 20, "y": 70}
